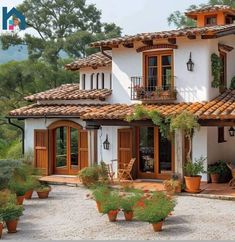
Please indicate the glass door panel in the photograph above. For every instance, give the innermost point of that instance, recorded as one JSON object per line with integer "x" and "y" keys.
{"x": 61, "y": 148}
{"x": 165, "y": 155}
{"x": 166, "y": 71}
{"x": 146, "y": 150}
{"x": 74, "y": 148}
{"x": 152, "y": 72}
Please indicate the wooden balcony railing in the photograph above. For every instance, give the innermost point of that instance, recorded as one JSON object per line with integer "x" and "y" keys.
{"x": 151, "y": 93}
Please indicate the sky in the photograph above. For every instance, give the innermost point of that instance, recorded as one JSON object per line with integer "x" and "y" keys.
{"x": 134, "y": 16}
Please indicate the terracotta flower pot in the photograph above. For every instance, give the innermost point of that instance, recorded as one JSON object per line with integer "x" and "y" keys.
{"x": 215, "y": 178}
{"x": 128, "y": 215}
{"x": 193, "y": 184}
{"x": 11, "y": 226}
{"x": 112, "y": 214}
{"x": 20, "y": 200}
{"x": 98, "y": 205}
{"x": 28, "y": 194}
{"x": 1, "y": 228}
{"x": 43, "y": 194}
{"x": 157, "y": 227}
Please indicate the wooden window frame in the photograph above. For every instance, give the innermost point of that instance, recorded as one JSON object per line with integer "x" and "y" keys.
{"x": 84, "y": 81}
{"x": 224, "y": 55}
{"x": 102, "y": 81}
{"x": 210, "y": 16}
{"x": 97, "y": 80}
{"x": 221, "y": 135}
{"x": 157, "y": 54}
{"x": 92, "y": 81}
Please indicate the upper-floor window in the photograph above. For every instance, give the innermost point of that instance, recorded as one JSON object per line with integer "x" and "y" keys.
{"x": 158, "y": 70}
{"x": 102, "y": 81}
{"x": 210, "y": 20}
{"x": 110, "y": 81}
{"x": 92, "y": 81}
{"x": 84, "y": 81}
{"x": 97, "y": 80}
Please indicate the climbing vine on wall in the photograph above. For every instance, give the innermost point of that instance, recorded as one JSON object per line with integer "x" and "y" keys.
{"x": 216, "y": 67}
{"x": 185, "y": 121}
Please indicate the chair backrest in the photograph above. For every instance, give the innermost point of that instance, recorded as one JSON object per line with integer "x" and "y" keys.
{"x": 130, "y": 165}
{"x": 232, "y": 168}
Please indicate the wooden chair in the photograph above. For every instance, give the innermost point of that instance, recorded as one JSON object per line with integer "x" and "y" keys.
{"x": 124, "y": 170}
{"x": 232, "y": 168}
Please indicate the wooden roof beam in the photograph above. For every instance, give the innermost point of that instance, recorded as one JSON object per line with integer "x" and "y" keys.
{"x": 148, "y": 42}
{"x": 128, "y": 45}
{"x": 172, "y": 41}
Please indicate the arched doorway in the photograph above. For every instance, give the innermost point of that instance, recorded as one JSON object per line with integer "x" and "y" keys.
{"x": 69, "y": 147}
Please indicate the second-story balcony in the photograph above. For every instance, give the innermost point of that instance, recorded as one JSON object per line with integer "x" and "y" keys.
{"x": 152, "y": 93}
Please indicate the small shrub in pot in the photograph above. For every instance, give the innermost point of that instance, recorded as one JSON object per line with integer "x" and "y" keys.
{"x": 89, "y": 175}
{"x": 99, "y": 194}
{"x": 43, "y": 191}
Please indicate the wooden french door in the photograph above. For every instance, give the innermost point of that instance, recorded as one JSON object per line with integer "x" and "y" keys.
{"x": 69, "y": 147}
{"x": 155, "y": 154}
{"x": 223, "y": 73}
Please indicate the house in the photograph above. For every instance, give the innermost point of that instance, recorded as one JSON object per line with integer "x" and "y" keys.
{"x": 74, "y": 126}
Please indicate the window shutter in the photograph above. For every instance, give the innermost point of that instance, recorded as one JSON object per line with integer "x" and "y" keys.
{"x": 41, "y": 150}
{"x": 83, "y": 149}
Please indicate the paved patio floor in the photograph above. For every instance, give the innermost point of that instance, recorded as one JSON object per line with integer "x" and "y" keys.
{"x": 69, "y": 214}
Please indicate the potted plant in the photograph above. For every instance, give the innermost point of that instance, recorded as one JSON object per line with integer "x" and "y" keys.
{"x": 172, "y": 186}
{"x": 214, "y": 172}
{"x": 111, "y": 206}
{"x": 89, "y": 175}
{"x": 43, "y": 191}
{"x": 11, "y": 214}
{"x": 155, "y": 210}
{"x": 99, "y": 194}
{"x": 1, "y": 225}
{"x": 127, "y": 203}
{"x": 19, "y": 188}
{"x": 193, "y": 177}
{"x": 31, "y": 184}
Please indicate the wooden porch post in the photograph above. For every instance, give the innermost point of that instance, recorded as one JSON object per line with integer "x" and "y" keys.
{"x": 92, "y": 147}
{"x": 179, "y": 153}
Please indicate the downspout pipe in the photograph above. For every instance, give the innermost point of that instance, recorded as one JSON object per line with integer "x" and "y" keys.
{"x": 104, "y": 53}
{"x": 22, "y": 132}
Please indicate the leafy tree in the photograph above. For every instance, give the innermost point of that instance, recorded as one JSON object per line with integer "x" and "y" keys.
{"x": 179, "y": 19}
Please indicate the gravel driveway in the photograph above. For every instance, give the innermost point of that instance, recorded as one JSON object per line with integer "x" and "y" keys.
{"x": 68, "y": 214}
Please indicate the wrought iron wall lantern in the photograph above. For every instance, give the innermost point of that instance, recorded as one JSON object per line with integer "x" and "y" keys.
{"x": 106, "y": 143}
{"x": 231, "y": 132}
{"x": 190, "y": 64}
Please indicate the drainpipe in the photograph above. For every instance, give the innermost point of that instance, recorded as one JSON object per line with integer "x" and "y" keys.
{"x": 22, "y": 132}
{"x": 104, "y": 53}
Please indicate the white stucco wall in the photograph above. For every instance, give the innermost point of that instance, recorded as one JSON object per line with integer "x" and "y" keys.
{"x": 89, "y": 71}
{"x": 33, "y": 124}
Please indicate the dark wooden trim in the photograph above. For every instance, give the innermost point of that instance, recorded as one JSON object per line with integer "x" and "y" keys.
{"x": 128, "y": 45}
{"x": 211, "y": 36}
{"x": 225, "y": 48}
{"x": 172, "y": 41}
{"x": 191, "y": 37}
{"x": 64, "y": 123}
{"x": 157, "y": 46}
{"x": 217, "y": 123}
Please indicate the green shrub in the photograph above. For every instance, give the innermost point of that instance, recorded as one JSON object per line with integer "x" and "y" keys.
{"x": 14, "y": 151}
{"x": 195, "y": 168}
{"x": 103, "y": 173}
{"x": 155, "y": 209}
{"x": 232, "y": 86}
{"x": 99, "y": 193}
{"x": 18, "y": 187}
{"x": 31, "y": 183}
{"x": 111, "y": 202}
{"x": 128, "y": 201}
{"x": 43, "y": 188}
{"x": 6, "y": 197}
{"x": 12, "y": 212}
{"x": 89, "y": 175}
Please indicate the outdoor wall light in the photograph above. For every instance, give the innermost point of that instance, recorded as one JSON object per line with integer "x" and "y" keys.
{"x": 232, "y": 132}
{"x": 190, "y": 64}
{"x": 106, "y": 143}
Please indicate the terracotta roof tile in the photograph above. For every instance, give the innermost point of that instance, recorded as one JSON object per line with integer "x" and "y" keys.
{"x": 53, "y": 110}
{"x": 210, "y": 30}
{"x": 94, "y": 61}
{"x": 222, "y": 107}
{"x": 209, "y": 8}
{"x": 70, "y": 92}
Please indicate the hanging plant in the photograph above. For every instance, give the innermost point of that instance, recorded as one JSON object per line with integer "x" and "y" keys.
{"x": 216, "y": 67}
{"x": 232, "y": 86}
{"x": 187, "y": 122}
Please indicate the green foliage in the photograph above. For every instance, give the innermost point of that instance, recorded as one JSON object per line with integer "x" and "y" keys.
{"x": 11, "y": 212}
{"x": 155, "y": 209}
{"x": 18, "y": 187}
{"x": 195, "y": 168}
{"x": 232, "y": 86}
{"x": 89, "y": 175}
{"x": 6, "y": 197}
{"x": 112, "y": 202}
{"x": 103, "y": 173}
{"x": 186, "y": 122}
{"x": 216, "y": 67}
{"x": 14, "y": 151}
{"x": 162, "y": 122}
{"x": 100, "y": 193}
{"x": 128, "y": 201}
{"x": 43, "y": 188}
{"x": 222, "y": 2}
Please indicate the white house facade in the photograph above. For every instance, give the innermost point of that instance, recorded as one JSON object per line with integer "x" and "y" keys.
{"x": 169, "y": 72}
